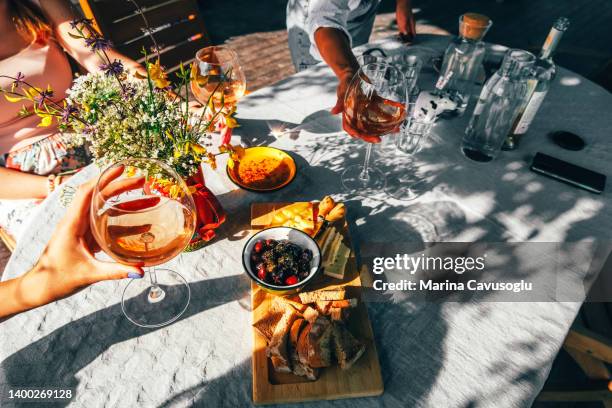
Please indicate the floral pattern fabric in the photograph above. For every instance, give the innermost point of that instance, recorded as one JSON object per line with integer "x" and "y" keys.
{"x": 47, "y": 156}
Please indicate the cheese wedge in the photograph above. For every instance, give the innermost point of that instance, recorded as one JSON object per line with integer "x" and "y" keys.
{"x": 296, "y": 215}
{"x": 336, "y": 267}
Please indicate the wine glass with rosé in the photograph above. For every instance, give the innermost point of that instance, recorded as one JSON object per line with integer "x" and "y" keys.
{"x": 374, "y": 105}
{"x": 217, "y": 77}
{"x": 142, "y": 214}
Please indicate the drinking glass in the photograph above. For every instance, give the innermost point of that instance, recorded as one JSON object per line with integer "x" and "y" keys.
{"x": 217, "y": 76}
{"x": 410, "y": 140}
{"x": 374, "y": 105}
{"x": 142, "y": 214}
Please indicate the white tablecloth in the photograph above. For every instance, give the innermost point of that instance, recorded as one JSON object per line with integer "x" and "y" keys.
{"x": 432, "y": 354}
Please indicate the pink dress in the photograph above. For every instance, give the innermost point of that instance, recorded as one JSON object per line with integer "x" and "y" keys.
{"x": 24, "y": 145}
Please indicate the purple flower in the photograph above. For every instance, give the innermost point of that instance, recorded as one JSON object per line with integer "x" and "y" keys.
{"x": 76, "y": 23}
{"x": 42, "y": 97}
{"x": 18, "y": 80}
{"x": 68, "y": 111}
{"x": 112, "y": 68}
{"x": 97, "y": 43}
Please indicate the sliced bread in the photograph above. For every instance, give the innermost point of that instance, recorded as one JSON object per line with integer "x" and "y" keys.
{"x": 325, "y": 306}
{"x": 297, "y": 366}
{"x": 333, "y": 294}
{"x": 314, "y": 344}
{"x": 347, "y": 348}
{"x": 266, "y": 325}
{"x": 277, "y": 347}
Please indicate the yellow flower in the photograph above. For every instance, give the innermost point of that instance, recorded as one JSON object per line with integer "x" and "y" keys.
{"x": 237, "y": 153}
{"x": 212, "y": 160}
{"x": 157, "y": 74}
{"x": 45, "y": 120}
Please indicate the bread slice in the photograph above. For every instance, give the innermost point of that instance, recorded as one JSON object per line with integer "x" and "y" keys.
{"x": 297, "y": 366}
{"x": 290, "y": 302}
{"x": 325, "y": 306}
{"x": 310, "y": 314}
{"x": 347, "y": 348}
{"x": 333, "y": 294}
{"x": 266, "y": 325}
{"x": 277, "y": 347}
{"x": 314, "y": 344}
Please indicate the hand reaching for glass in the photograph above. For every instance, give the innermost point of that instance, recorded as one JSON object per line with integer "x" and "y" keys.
{"x": 67, "y": 264}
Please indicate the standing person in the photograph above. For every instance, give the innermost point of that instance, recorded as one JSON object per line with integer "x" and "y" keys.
{"x": 328, "y": 29}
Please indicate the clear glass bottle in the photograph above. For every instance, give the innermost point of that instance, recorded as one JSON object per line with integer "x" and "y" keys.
{"x": 497, "y": 107}
{"x": 463, "y": 59}
{"x": 544, "y": 73}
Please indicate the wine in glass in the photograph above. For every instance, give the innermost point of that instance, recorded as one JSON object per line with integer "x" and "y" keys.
{"x": 217, "y": 76}
{"x": 142, "y": 214}
{"x": 374, "y": 105}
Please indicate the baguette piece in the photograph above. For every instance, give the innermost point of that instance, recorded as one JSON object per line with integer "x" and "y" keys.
{"x": 297, "y": 366}
{"x": 314, "y": 344}
{"x": 277, "y": 347}
{"x": 333, "y": 294}
{"x": 325, "y": 306}
{"x": 347, "y": 348}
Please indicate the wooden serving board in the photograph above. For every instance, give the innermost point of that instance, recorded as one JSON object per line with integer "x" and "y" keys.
{"x": 364, "y": 379}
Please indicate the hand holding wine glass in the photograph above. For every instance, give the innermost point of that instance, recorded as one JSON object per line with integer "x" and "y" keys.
{"x": 374, "y": 105}
{"x": 67, "y": 264}
{"x": 142, "y": 214}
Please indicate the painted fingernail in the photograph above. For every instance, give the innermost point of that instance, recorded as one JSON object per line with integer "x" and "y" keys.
{"x": 134, "y": 275}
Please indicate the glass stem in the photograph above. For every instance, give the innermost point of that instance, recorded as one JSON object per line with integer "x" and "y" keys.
{"x": 365, "y": 173}
{"x": 156, "y": 293}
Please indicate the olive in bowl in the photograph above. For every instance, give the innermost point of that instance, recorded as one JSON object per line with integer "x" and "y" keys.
{"x": 281, "y": 260}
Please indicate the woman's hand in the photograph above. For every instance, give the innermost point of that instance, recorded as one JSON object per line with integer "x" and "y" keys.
{"x": 67, "y": 264}
{"x": 405, "y": 21}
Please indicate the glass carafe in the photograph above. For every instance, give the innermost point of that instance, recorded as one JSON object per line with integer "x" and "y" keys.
{"x": 463, "y": 59}
{"x": 498, "y": 106}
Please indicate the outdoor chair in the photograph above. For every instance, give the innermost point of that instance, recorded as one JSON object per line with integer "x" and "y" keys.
{"x": 176, "y": 24}
{"x": 589, "y": 343}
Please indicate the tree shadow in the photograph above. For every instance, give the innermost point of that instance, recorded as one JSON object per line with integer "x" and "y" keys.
{"x": 56, "y": 359}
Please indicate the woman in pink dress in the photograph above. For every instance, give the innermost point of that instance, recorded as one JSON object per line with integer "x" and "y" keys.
{"x": 35, "y": 43}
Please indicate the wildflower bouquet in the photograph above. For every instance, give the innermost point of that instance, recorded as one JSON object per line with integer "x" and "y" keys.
{"x": 121, "y": 115}
{"x": 124, "y": 115}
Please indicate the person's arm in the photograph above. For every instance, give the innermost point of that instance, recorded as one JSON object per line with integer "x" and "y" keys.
{"x": 67, "y": 264}
{"x": 60, "y": 15}
{"x": 18, "y": 185}
{"x": 335, "y": 49}
{"x": 405, "y": 21}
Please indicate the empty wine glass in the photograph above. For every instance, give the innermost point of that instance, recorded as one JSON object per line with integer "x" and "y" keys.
{"x": 142, "y": 214}
{"x": 217, "y": 76}
{"x": 374, "y": 105}
{"x": 410, "y": 140}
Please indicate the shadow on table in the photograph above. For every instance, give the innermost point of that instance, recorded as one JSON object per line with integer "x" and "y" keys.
{"x": 406, "y": 345}
{"x": 55, "y": 359}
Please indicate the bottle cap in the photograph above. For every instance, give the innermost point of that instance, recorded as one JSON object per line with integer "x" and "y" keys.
{"x": 474, "y": 26}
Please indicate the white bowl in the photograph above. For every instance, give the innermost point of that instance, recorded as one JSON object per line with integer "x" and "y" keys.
{"x": 283, "y": 234}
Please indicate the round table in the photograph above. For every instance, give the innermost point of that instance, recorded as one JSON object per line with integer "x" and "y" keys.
{"x": 432, "y": 354}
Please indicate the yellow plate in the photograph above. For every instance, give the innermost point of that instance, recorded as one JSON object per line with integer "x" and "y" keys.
{"x": 262, "y": 169}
